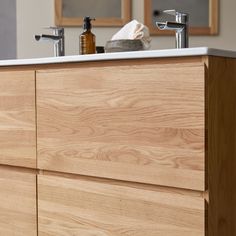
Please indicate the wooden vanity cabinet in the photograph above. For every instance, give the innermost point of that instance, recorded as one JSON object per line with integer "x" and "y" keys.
{"x": 124, "y": 147}
{"x": 166, "y": 122}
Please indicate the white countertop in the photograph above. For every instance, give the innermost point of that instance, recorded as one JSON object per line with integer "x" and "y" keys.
{"x": 201, "y": 51}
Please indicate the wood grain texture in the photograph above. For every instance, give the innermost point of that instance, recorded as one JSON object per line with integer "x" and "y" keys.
{"x": 17, "y": 203}
{"x": 17, "y": 118}
{"x": 222, "y": 146}
{"x": 134, "y": 123}
{"x": 73, "y": 207}
{"x": 152, "y": 187}
{"x": 214, "y": 19}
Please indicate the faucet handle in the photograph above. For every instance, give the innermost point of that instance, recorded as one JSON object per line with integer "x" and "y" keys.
{"x": 180, "y": 17}
{"x": 58, "y": 31}
{"x": 170, "y": 12}
{"x": 173, "y": 12}
{"x": 53, "y": 28}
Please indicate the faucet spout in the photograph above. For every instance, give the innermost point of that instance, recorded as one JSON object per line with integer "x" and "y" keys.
{"x": 180, "y": 26}
{"x": 168, "y": 25}
{"x": 45, "y": 37}
{"x": 57, "y": 38}
{"x": 37, "y": 37}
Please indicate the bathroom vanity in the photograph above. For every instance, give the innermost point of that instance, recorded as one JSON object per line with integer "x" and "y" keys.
{"x": 138, "y": 143}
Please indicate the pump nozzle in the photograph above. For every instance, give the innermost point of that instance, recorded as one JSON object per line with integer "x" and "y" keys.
{"x": 87, "y": 22}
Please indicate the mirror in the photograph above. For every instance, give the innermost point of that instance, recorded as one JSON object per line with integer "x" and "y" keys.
{"x": 203, "y": 15}
{"x": 106, "y": 12}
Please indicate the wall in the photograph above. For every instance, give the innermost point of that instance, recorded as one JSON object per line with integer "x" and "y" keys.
{"x": 8, "y": 29}
{"x": 33, "y": 15}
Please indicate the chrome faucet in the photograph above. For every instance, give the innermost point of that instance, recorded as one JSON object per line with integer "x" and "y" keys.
{"x": 180, "y": 26}
{"x": 57, "y": 38}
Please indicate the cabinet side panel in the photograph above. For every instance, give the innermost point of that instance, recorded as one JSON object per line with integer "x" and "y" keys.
{"x": 222, "y": 146}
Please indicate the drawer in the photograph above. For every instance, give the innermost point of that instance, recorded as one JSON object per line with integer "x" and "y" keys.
{"x": 134, "y": 123}
{"x": 17, "y": 203}
{"x": 88, "y": 208}
{"x": 17, "y": 118}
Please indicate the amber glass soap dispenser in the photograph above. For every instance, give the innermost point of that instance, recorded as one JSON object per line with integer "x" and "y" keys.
{"x": 87, "y": 38}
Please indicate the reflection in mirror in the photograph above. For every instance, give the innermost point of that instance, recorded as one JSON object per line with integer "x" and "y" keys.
{"x": 197, "y": 9}
{"x": 75, "y": 8}
{"x": 106, "y": 12}
{"x": 203, "y": 14}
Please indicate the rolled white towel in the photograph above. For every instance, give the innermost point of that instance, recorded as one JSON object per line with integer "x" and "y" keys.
{"x": 134, "y": 30}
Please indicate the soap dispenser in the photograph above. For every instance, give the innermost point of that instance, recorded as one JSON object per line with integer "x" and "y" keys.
{"x": 87, "y": 38}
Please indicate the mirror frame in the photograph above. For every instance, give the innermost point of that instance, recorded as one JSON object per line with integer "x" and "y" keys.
{"x": 65, "y": 21}
{"x": 212, "y": 29}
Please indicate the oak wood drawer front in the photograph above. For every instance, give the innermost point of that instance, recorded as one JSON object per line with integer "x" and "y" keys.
{"x": 81, "y": 207}
{"x": 17, "y": 118}
{"x": 136, "y": 123}
{"x": 17, "y": 204}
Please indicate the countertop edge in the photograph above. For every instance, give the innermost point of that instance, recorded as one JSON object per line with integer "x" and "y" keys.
{"x": 198, "y": 51}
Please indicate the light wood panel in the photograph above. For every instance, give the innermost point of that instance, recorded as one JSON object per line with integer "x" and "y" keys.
{"x": 80, "y": 207}
{"x": 17, "y": 203}
{"x": 136, "y": 123}
{"x": 157, "y": 188}
{"x": 17, "y": 118}
{"x": 222, "y": 146}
